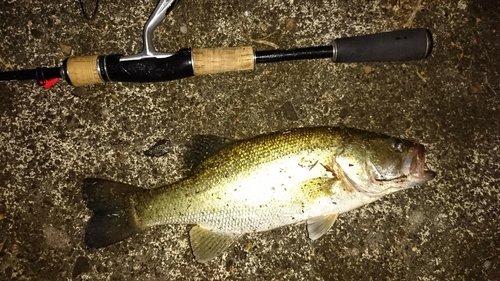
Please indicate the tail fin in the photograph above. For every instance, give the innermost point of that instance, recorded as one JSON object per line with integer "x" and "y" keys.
{"x": 114, "y": 218}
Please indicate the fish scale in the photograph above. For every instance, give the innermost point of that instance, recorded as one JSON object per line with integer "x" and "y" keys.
{"x": 270, "y": 184}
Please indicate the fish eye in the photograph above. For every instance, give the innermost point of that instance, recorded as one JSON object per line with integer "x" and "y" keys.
{"x": 397, "y": 145}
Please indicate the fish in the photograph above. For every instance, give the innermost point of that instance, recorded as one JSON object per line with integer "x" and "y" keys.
{"x": 305, "y": 175}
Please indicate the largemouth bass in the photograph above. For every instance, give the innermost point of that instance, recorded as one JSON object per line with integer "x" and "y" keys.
{"x": 308, "y": 175}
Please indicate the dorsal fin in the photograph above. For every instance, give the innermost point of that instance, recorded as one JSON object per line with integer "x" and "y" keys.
{"x": 202, "y": 147}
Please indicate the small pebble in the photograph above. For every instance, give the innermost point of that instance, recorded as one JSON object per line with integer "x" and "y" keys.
{"x": 473, "y": 89}
{"x": 288, "y": 111}
{"x": 159, "y": 149}
{"x": 65, "y": 49}
{"x": 82, "y": 265}
{"x": 487, "y": 265}
{"x": 290, "y": 23}
{"x": 79, "y": 92}
{"x": 184, "y": 29}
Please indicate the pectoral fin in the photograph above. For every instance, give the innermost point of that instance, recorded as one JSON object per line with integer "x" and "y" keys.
{"x": 207, "y": 244}
{"x": 320, "y": 225}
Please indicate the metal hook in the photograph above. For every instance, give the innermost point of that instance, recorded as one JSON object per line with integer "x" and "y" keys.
{"x": 148, "y": 50}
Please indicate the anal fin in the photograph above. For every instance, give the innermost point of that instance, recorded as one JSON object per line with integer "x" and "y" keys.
{"x": 207, "y": 244}
{"x": 318, "y": 226}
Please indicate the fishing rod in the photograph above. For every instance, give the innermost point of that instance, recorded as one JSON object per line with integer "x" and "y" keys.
{"x": 153, "y": 66}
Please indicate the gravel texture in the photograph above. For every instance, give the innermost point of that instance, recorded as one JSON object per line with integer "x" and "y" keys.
{"x": 447, "y": 229}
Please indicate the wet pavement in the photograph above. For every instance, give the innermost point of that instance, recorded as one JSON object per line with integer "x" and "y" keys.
{"x": 447, "y": 229}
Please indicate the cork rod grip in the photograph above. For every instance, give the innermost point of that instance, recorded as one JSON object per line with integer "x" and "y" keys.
{"x": 83, "y": 71}
{"x": 209, "y": 61}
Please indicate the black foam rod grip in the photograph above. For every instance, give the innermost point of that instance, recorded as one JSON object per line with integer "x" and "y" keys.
{"x": 400, "y": 45}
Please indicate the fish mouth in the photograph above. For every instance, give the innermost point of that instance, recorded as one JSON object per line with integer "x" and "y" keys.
{"x": 414, "y": 164}
{"x": 419, "y": 168}
{"x": 412, "y": 172}
{"x": 412, "y": 167}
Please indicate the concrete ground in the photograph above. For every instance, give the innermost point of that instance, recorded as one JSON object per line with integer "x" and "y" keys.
{"x": 447, "y": 229}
